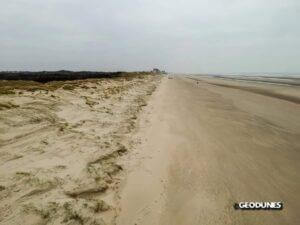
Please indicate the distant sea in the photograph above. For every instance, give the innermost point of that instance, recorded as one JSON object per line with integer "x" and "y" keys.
{"x": 271, "y": 74}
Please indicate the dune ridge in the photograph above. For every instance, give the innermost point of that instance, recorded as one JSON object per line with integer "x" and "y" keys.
{"x": 61, "y": 145}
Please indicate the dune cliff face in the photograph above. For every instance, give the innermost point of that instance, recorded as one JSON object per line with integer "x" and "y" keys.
{"x": 61, "y": 143}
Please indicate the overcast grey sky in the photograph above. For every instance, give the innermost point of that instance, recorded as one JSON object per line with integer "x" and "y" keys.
{"x": 175, "y": 35}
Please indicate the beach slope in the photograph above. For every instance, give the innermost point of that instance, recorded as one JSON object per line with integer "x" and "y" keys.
{"x": 211, "y": 142}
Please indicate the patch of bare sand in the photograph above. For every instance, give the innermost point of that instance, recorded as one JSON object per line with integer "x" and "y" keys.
{"x": 60, "y": 145}
{"x": 209, "y": 146}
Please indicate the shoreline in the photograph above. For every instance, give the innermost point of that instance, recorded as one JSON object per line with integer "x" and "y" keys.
{"x": 209, "y": 146}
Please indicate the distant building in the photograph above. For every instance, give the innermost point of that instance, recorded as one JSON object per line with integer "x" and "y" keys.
{"x": 158, "y": 71}
{"x": 155, "y": 70}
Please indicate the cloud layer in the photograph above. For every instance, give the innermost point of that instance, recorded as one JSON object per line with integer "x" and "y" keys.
{"x": 181, "y": 36}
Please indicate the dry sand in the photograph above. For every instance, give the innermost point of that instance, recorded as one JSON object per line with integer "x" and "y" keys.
{"x": 210, "y": 143}
{"x": 114, "y": 151}
{"x": 60, "y": 145}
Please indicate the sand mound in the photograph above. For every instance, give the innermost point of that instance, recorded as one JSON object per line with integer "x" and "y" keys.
{"x": 60, "y": 145}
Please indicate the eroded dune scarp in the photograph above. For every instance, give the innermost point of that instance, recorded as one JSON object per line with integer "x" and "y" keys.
{"x": 59, "y": 147}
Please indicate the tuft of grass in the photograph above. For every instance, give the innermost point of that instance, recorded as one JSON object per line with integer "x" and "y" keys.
{"x": 10, "y": 86}
{"x": 68, "y": 87}
{"x": 6, "y": 92}
{"x": 22, "y": 173}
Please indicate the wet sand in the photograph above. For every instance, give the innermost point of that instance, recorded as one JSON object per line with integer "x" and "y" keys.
{"x": 210, "y": 143}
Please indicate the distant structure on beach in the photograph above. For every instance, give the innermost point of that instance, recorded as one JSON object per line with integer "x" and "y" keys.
{"x": 158, "y": 71}
{"x": 155, "y": 70}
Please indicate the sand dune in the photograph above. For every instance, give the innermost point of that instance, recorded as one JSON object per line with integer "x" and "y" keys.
{"x": 60, "y": 145}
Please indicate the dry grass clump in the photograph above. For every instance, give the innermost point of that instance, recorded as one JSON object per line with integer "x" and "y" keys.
{"x": 6, "y": 92}
{"x": 10, "y": 86}
{"x": 68, "y": 87}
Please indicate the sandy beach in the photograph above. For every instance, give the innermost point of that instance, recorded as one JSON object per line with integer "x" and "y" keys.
{"x": 149, "y": 150}
{"x": 211, "y": 142}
